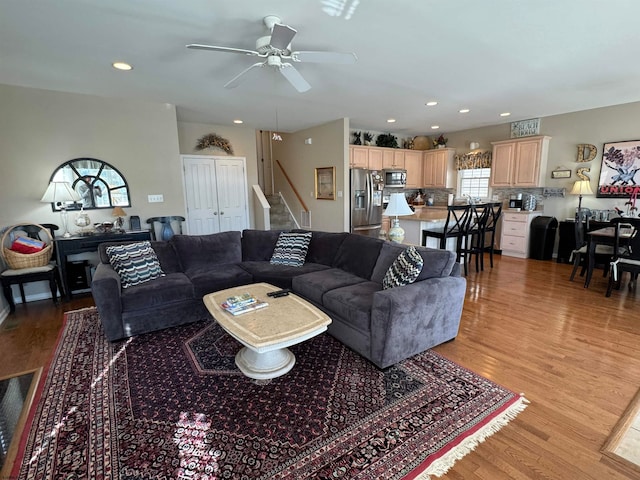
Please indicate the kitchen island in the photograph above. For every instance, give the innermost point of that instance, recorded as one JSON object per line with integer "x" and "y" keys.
{"x": 425, "y": 218}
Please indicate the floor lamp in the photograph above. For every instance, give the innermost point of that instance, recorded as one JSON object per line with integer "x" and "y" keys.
{"x": 61, "y": 193}
{"x": 398, "y": 206}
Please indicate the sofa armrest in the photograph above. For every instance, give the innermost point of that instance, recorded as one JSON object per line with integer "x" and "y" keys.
{"x": 106, "y": 290}
{"x": 411, "y": 319}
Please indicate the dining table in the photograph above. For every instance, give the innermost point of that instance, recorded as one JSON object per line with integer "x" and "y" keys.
{"x": 602, "y": 236}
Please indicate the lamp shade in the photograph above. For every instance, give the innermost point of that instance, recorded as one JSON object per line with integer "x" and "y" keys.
{"x": 581, "y": 187}
{"x": 118, "y": 212}
{"x": 60, "y": 192}
{"x": 398, "y": 205}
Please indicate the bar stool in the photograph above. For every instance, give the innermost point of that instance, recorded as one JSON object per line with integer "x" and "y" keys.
{"x": 456, "y": 226}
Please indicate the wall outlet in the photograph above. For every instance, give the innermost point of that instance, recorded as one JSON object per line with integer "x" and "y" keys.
{"x": 155, "y": 198}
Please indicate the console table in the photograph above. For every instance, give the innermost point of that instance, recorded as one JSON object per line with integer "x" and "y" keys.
{"x": 88, "y": 243}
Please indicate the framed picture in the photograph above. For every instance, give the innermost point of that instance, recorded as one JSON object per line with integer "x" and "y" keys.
{"x": 561, "y": 173}
{"x": 326, "y": 183}
{"x": 620, "y": 163}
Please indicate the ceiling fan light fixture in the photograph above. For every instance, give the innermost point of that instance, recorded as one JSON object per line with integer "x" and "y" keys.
{"x": 276, "y": 137}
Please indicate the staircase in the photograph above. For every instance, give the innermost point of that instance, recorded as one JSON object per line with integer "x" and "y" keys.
{"x": 279, "y": 215}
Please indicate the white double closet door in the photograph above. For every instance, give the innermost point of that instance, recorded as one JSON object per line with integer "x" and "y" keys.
{"x": 215, "y": 194}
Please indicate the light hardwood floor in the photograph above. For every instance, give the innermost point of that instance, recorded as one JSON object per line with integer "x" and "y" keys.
{"x": 574, "y": 353}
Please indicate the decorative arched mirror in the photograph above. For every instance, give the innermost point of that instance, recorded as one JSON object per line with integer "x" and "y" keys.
{"x": 98, "y": 184}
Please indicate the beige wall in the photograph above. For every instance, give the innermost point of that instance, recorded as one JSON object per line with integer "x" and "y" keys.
{"x": 40, "y": 130}
{"x": 596, "y": 127}
{"x": 243, "y": 142}
{"x": 329, "y": 148}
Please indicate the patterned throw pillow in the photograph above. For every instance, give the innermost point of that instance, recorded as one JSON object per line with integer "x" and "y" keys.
{"x": 404, "y": 270}
{"x": 291, "y": 249}
{"x": 136, "y": 263}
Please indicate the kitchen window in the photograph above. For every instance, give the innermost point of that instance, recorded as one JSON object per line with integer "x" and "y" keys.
{"x": 474, "y": 182}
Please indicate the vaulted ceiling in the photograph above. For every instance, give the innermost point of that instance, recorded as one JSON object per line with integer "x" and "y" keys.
{"x": 529, "y": 58}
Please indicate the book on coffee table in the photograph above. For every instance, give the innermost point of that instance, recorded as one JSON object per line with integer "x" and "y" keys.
{"x": 239, "y": 304}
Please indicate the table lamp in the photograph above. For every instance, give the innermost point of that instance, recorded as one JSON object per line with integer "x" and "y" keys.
{"x": 581, "y": 187}
{"x": 397, "y": 207}
{"x": 119, "y": 213}
{"x": 61, "y": 193}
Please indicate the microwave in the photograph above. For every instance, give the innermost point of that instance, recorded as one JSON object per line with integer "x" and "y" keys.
{"x": 394, "y": 178}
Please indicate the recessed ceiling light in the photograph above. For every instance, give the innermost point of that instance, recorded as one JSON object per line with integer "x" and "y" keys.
{"x": 391, "y": 120}
{"x": 238, "y": 121}
{"x": 505, "y": 114}
{"x": 435, "y": 127}
{"x": 464, "y": 110}
{"x": 431, "y": 103}
{"x": 122, "y": 66}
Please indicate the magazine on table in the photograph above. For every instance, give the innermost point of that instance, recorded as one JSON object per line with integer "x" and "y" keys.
{"x": 243, "y": 303}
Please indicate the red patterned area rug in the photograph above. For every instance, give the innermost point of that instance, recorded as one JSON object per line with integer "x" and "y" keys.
{"x": 172, "y": 405}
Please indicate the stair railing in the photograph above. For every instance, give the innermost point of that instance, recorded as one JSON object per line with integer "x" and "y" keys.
{"x": 295, "y": 191}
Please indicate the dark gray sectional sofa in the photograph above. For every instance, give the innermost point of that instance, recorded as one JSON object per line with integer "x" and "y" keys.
{"x": 342, "y": 275}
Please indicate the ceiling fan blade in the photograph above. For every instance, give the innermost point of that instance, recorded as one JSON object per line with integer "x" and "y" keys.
{"x": 324, "y": 57}
{"x": 289, "y": 72}
{"x": 238, "y": 79}
{"x": 196, "y": 46}
{"x": 281, "y": 36}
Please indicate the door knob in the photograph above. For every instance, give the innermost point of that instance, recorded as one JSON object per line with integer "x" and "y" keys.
{"x": 215, "y": 213}
{"x": 221, "y": 213}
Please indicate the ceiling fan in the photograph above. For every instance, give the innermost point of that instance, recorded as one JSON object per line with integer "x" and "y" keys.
{"x": 276, "y": 50}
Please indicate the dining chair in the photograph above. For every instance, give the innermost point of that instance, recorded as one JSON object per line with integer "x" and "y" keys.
{"x": 456, "y": 226}
{"x": 20, "y": 276}
{"x": 626, "y": 253}
{"x": 165, "y": 225}
{"x": 580, "y": 254}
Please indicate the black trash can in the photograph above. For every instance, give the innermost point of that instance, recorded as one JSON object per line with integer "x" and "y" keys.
{"x": 542, "y": 237}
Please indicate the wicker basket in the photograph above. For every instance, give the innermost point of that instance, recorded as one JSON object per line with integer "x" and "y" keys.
{"x": 17, "y": 260}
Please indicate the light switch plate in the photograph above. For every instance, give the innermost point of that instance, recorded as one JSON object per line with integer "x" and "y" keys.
{"x": 159, "y": 198}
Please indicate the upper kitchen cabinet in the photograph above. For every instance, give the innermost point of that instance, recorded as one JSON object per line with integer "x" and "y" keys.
{"x": 413, "y": 165}
{"x": 437, "y": 168}
{"x": 393, "y": 158}
{"x": 519, "y": 162}
{"x": 375, "y": 158}
{"x": 358, "y": 156}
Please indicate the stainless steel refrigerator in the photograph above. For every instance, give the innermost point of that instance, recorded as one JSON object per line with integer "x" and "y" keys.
{"x": 366, "y": 202}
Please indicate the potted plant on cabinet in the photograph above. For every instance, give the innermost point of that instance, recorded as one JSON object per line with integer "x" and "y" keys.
{"x": 440, "y": 142}
{"x": 357, "y": 138}
{"x": 367, "y": 138}
{"x": 387, "y": 140}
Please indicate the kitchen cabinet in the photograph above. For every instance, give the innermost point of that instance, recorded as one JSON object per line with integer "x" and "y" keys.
{"x": 437, "y": 168}
{"x": 375, "y": 158}
{"x": 358, "y": 156}
{"x": 393, "y": 158}
{"x": 520, "y": 162}
{"x": 413, "y": 161}
{"x": 514, "y": 239}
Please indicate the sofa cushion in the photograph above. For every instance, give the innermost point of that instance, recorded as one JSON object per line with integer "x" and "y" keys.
{"x": 208, "y": 279}
{"x": 404, "y": 270}
{"x": 258, "y": 244}
{"x": 197, "y": 252}
{"x": 291, "y": 249}
{"x": 436, "y": 262}
{"x": 358, "y": 254}
{"x": 313, "y": 286}
{"x": 135, "y": 263}
{"x": 278, "y": 275}
{"x": 353, "y": 303}
{"x": 173, "y": 287}
{"x": 324, "y": 246}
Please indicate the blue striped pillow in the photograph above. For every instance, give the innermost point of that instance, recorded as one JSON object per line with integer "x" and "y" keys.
{"x": 291, "y": 249}
{"x": 136, "y": 263}
{"x": 404, "y": 270}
